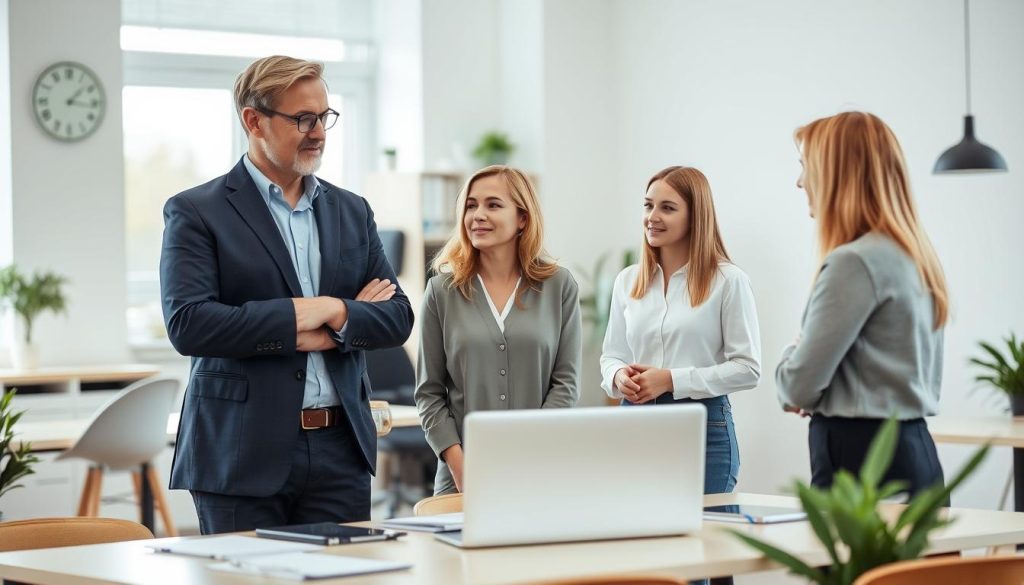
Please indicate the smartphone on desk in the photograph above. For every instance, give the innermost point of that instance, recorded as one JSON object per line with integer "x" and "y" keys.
{"x": 327, "y": 533}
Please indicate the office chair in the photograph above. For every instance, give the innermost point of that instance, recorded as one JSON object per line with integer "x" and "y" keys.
{"x": 443, "y": 504}
{"x": 55, "y": 532}
{"x": 129, "y": 430}
{"x": 618, "y": 580}
{"x": 1004, "y": 570}
{"x": 411, "y": 462}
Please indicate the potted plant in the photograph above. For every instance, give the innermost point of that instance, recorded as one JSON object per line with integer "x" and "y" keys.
{"x": 845, "y": 518}
{"x": 14, "y": 463}
{"x": 595, "y": 306}
{"x": 494, "y": 148}
{"x": 389, "y": 157}
{"x": 29, "y": 298}
{"x": 1005, "y": 372}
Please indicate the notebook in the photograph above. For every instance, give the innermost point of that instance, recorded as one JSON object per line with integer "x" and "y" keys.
{"x": 436, "y": 523}
{"x": 327, "y": 533}
{"x": 303, "y": 566}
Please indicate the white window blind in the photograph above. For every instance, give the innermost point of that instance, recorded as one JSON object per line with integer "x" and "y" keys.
{"x": 349, "y": 20}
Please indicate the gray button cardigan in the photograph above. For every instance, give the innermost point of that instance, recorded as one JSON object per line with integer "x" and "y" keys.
{"x": 467, "y": 364}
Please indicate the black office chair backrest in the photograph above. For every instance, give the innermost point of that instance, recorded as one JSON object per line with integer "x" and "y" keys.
{"x": 391, "y": 375}
{"x": 394, "y": 247}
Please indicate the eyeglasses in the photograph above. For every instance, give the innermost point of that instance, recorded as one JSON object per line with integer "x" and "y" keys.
{"x": 306, "y": 122}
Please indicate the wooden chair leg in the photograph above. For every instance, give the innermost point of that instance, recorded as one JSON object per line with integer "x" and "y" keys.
{"x": 137, "y": 485}
{"x": 97, "y": 491}
{"x": 160, "y": 501}
{"x": 86, "y": 497}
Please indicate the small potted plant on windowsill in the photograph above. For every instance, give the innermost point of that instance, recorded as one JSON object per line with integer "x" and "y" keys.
{"x": 1005, "y": 372}
{"x": 847, "y": 520}
{"x": 14, "y": 463}
{"x": 29, "y": 298}
{"x": 494, "y": 148}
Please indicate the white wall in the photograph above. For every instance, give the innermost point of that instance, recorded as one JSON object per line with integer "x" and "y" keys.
{"x": 722, "y": 86}
{"x": 68, "y": 204}
{"x": 460, "y": 79}
{"x": 399, "y": 82}
{"x": 5, "y": 144}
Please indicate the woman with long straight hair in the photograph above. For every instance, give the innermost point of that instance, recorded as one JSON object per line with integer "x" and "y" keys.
{"x": 870, "y": 346}
{"x": 683, "y": 325}
{"x": 500, "y": 325}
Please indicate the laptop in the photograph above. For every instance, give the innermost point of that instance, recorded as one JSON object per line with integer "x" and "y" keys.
{"x": 563, "y": 475}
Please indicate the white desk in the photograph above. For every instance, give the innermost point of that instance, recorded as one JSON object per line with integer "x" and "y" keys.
{"x": 709, "y": 552}
{"x": 1003, "y": 431}
{"x": 58, "y": 435}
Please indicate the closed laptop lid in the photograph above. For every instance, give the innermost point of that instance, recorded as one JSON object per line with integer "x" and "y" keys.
{"x": 535, "y": 476}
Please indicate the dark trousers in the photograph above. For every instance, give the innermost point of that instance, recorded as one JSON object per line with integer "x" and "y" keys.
{"x": 842, "y": 443}
{"x": 328, "y": 482}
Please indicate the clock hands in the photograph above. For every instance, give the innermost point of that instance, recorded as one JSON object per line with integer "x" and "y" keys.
{"x": 75, "y": 95}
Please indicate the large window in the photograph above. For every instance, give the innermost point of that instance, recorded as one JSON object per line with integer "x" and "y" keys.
{"x": 181, "y": 130}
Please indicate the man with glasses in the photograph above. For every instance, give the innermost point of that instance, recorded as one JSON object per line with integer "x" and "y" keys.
{"x": 275, "y": 282}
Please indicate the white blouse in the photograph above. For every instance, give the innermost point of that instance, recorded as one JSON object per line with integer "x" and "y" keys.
{"x": 499, "y": 318}
{"x": 712, "y": 349}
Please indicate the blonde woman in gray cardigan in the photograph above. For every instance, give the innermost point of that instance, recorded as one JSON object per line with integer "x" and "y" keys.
{"x": 500, "y": 325}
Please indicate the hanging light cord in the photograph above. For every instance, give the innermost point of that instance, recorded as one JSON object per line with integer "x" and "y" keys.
{"x": 967, "y": 51}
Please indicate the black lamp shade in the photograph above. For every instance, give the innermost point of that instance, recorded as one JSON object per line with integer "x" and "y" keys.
{"x": 969, "y": 155}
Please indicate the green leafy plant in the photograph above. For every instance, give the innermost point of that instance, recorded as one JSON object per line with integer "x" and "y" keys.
{"x": 494, "y": 148}
{"x": 847, "y": 521}
{"x": 14, "y": 463}
{"x": 596, "y": 305}
{"x": 30, "y": 297}
{"x": 1004, "y": 372}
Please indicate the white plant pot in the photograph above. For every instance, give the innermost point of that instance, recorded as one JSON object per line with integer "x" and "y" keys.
{"x": 24, "y": 356}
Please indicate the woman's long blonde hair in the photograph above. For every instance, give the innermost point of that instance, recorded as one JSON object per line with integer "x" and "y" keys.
{"x": 458, "y": 256}
{"x": 856, "y": 178}
{"x": 706, "y": 247}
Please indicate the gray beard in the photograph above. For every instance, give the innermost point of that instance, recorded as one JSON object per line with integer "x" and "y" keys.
{"x": 303, "y": 169}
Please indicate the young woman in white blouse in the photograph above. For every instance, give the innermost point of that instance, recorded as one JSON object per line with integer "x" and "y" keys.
{"x": 683, "y": 326}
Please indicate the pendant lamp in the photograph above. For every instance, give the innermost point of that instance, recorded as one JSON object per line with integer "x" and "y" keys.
{"x": 969, "y": 155}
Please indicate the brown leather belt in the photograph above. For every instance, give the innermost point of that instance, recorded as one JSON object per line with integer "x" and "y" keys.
{"x": 318, "y": 418}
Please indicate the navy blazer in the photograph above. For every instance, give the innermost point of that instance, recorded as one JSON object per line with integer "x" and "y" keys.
{"x": 227, "y": 282}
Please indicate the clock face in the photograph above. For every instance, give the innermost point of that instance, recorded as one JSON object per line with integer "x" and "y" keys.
{"x": 69, "y": 102}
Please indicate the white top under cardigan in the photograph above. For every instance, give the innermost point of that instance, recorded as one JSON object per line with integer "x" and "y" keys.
{"x": 712, "y": 349}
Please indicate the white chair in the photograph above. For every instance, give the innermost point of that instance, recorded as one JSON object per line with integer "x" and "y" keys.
{"x": 126, "y": 434}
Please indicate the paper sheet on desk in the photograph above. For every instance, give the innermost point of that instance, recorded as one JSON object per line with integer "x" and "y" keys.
{"x": 302, "y": 566}
{"x": 231, "y": 546}
{"x": 436, "y": 523}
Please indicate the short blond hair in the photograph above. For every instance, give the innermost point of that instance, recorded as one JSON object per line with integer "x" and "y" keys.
{"x": 263, "y": 82}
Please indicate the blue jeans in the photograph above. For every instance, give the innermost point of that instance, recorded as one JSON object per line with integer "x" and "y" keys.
{"x": 722, "y": 454}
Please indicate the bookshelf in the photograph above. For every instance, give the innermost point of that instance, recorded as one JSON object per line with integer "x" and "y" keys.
{"x": 422, "y": 206}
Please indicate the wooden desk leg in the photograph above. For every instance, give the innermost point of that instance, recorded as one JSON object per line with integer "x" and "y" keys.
{"x": 147, "y": 499}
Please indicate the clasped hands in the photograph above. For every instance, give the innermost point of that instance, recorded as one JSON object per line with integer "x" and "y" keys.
{"x": 640, "y": 384}
{"x": 316, "y": 317}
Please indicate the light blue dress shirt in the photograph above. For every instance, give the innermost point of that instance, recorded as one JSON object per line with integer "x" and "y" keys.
{"x": 299, "y": 231}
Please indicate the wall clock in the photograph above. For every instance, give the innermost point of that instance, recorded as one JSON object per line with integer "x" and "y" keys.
{"x": 68, "y": 101}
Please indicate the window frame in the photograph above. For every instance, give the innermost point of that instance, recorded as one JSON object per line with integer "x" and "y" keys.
{"x": 353, "y": 81}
